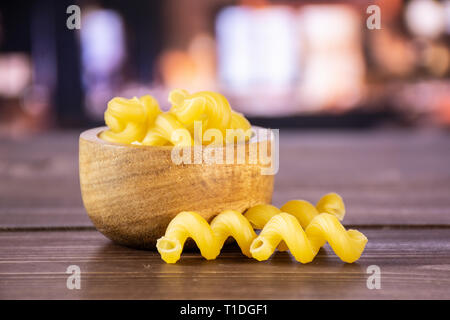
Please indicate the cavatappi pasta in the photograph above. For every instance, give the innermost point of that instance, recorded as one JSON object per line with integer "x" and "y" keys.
{"x": 304, "y": 244}
{"x": 304, "y": 211}
{"x": 298, "y": 226}
{"x": 303, "y": 229}
{"x": 209, "y": 238}
{"x": 141, "y": 121}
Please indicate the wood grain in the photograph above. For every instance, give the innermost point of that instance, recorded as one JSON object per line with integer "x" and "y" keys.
{"x": 39, "y": 184}
{"x": 386, "y": 177}
{"x": 131, "y": 193}
{"x": 414, "y": 263}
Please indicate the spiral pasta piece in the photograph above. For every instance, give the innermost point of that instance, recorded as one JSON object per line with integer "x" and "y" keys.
{"x": 209, "y": 238}
{"x": 305, "y": 244}
{"x": 260, "y": 214}
{"x": 233, "y": 223}
{"x": 128, "y": 119}
{"x": 303, "y": 210}
{"x": 167, "y": 129}
{"x": 331, "y": 203}
{"x": 211, "y": 108}
{"x": 238, "y": 121}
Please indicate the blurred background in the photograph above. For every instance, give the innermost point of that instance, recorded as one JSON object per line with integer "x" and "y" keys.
{"x": 296, "y": 64}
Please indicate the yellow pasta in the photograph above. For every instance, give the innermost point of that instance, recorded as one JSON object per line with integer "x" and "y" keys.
{"x": 331, "y": 203}
{"x": 233, "y": 223}
{"x": 304, "y": 244}
{"x": 140, "y": 121}
{"x": 167, "y": 129}
{"x": 297, "y": 226}
{"x": 209, "y": 238}
{"x": 211, "y": 108}
{"x": 325, "y": 216}
{"x": 128, "y": 119}
{"x": 260, "y": 214}
{"x": 304, "y": 211}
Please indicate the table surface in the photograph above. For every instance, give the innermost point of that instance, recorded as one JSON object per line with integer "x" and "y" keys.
{"x": 396, "y": 185}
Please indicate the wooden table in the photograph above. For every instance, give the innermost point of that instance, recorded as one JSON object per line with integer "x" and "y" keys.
{"x": 396, "y": 185}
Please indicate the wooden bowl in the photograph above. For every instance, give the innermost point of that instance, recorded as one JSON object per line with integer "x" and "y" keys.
{"x": 132, "y": 192}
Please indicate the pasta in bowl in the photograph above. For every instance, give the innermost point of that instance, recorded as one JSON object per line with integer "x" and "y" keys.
{"x": 146, "y": 166}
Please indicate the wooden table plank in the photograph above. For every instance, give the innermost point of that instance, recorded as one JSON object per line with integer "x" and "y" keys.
{"x": 415, "y": 263}
{"x": 386, "y": 177}
{"x": 39, "y": 185}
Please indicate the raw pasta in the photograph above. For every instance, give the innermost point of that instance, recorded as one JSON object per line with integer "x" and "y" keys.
{"x": 141, "y": 121}
{"x": 128, "y": 119}
{"x": 304, "y": 244}
{"x": 303, "y": 229}
{"x": 298, "y": 226}
{"x": 209, "y": 238}
{"x": 304, "y": 211}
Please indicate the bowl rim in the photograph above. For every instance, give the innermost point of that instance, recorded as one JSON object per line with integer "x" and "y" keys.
{"x": 92, "y": 135}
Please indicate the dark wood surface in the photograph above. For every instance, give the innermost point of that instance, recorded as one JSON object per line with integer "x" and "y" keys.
{"x": 396, "y": 185}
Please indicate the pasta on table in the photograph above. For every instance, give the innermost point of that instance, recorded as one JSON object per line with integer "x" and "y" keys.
{"x": 298, "y": 226}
